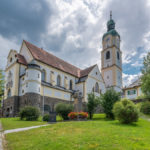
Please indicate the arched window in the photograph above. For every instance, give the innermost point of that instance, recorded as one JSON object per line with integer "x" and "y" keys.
{"x": 58, "y": 80}
{"x": 43, "y": 75}
{"x": 9, "y": 93}
{"x": 70, "y": 85}
{"x": 108, "y": 55}
{"x": 96, "y": 87}
{"x": 118, "y": 56}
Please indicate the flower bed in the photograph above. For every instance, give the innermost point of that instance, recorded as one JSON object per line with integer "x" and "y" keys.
{"x": 78, "y": 115}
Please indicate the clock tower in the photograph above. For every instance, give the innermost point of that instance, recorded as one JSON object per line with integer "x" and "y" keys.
{"x": 111, "y": 57}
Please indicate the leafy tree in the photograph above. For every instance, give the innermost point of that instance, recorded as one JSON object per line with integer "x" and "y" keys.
{"x": 107, "y": 101}
{"x": 146, "y": 75}
{"x": 92, "y": 104}
{"x": 1, "y": 84}
{"x": 63, "y": 110}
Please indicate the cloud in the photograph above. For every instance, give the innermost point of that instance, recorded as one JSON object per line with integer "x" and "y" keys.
{"x": 6, "y": 45}
{"x": 24, "y": 19}
{"x": 128, "y": 78}
{"x": 73, "y": 30}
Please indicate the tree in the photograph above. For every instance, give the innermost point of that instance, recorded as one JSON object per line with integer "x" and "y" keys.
{"x": 1, "y": 84}
{"x": 125, "y": 111}
{"x": 107, "y": 100}
{"x": 92, "y": 104}
{"x": 146, "y": 76}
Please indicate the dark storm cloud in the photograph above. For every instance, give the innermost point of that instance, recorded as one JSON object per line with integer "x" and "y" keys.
{"x": 23, "y": 19}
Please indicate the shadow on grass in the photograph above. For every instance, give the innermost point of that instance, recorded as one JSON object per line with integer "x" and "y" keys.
{"x": 117, "y": 123}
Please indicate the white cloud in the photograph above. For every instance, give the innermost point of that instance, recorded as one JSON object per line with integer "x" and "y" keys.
{"x": 6, "y": 45}
{"x": 128, "y": 78}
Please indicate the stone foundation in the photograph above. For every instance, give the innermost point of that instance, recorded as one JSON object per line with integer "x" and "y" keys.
{"x": 12, "y": 105}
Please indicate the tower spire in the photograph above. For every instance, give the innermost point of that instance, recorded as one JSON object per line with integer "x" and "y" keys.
{"x": 110, "y": 15}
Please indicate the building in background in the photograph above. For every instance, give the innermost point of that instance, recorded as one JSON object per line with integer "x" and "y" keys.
{"x": 133, "y": 90}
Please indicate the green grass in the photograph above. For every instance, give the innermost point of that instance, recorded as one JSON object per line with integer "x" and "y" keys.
{"x": 13, "y": 123}
{"x": 99, "y": 134}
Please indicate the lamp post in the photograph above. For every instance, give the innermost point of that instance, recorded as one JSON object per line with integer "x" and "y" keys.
{"x": 43, "y": 102}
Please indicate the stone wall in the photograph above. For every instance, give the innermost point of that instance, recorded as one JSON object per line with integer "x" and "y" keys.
{"x": 12, "y": 105}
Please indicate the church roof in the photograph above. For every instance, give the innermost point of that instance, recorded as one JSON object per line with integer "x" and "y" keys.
{"x": 51, "y": 60}
{"x": 21, "y": 59}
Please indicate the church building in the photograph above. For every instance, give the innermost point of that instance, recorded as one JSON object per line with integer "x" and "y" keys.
{"x": 37, "y": 78}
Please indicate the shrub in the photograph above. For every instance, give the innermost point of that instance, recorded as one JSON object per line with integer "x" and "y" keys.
{"x": 108, "y": 99}
{"x": 29, "y": 113}
{"x": 92, "y": 104}
{"x": 75, "y": 115}
{"x": 46, "y": 117}
{"x": 63, "y": 110}
{"x": 83, "y": 115}
{"x": 125, "y": 111}
{"x": 145, "y": 107}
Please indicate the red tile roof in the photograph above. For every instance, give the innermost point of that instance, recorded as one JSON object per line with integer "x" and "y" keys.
{"x": 49, "y": 59}
{"x": 21, "y": 59}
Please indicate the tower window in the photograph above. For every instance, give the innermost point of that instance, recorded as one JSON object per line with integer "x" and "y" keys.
{"x": 108, "y": 55}
{"x": 118, "y": 56}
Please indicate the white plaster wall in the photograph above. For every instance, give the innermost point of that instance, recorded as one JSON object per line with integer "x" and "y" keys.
{"x": 50, "y": 92}
{"x": 33, "y": 87}
{"x": 108, "y": 78}
{"x": 22, "y": 69}
{"x": 133, "y": 96}
{"x": 11, "y": 55}
{"x": 117, "y": 89}
{"x": 140, "y": 91}
{"x": 119, "y": 78}
{"x": 79, "y": 87}
{"x": 48, "y": 70}
{"x": 33, "y": 74}
{"x": 25, "y": 52}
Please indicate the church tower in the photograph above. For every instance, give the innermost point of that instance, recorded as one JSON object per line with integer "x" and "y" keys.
{"x": 111, "y": 57}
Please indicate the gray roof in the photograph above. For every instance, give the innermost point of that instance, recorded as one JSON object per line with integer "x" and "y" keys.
{"x": 134, "y": 84}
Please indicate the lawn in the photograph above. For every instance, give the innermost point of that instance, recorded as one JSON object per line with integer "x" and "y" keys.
{"x": 13, "y": 123}
{"x": 99, "y": 134}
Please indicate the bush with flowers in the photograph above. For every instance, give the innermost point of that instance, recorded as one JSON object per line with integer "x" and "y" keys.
{"x": 77, "y": 115}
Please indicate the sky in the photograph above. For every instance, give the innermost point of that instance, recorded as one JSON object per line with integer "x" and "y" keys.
{"x": 73, "y": 30}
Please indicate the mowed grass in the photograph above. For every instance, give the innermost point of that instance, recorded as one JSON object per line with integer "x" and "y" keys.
{"x": 13, "y": 123}
{"x": 99, "y": 134}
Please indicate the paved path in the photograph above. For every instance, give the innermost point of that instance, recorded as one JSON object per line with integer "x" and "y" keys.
{"x": 23, "y": 129}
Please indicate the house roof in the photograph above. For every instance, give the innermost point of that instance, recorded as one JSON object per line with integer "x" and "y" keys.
{"x": 51, "y": 60}
{"x": 134, "y": 84}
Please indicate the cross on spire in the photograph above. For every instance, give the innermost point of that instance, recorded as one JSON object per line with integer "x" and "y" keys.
{"x": 110, "y": 15}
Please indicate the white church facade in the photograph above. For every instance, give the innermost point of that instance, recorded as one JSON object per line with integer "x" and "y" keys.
{"x": 36, "y": 77}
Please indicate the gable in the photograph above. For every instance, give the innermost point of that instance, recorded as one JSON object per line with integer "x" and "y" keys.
{"x": 96, "y": 74}
{"x": 11, "y": 57}
{"x": 26, "y": 53}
